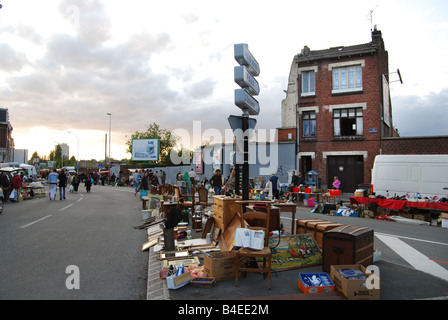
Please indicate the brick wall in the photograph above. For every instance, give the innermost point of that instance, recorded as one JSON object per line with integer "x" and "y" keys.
{"x": 415, "y": 145}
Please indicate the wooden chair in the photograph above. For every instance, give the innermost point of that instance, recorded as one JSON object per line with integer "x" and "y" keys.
{"x": 265, "y": 254}
{"x": 203, "y": 197}
{"x": 186, "y": 203}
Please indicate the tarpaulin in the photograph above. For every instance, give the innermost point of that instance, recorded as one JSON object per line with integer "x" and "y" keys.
{"x": 399, "y": 204}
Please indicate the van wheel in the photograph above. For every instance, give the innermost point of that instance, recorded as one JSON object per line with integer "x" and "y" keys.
{"x": 1, "y": 205}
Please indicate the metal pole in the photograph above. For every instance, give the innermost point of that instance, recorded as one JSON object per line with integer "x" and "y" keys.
{"x": 246, "y": 157}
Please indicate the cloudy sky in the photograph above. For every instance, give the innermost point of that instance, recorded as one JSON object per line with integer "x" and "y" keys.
{"x": 65, "y": 64}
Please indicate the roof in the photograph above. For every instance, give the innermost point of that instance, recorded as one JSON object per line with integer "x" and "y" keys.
{"x": 310, "y": 55}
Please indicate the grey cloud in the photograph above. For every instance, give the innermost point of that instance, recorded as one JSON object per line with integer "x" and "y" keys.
{"x": 421, "y": 116}
{"x": 11, "y": 60}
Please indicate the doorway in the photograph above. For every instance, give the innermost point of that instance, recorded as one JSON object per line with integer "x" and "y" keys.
{"x": 348, "y": 169}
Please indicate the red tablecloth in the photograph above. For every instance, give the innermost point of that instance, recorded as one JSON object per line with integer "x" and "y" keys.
{"x": 399, "y": 204}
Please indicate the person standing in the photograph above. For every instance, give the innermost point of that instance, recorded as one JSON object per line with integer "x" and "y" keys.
{"x": 62, "y": 183}
{"x": 229, "y": 188}
{"x": 88, "y": 183}
{"x": 192, "y": 176}
{"x": 163, "y": 176}
{"x": 336, "y": 183}
{"x": 16, "y": 184}
{"x": 136, "y": 177}
{"x": 275, "y": 183}
{"x": 53, "y": 181}
{"x": 75, "y": 182}
{"x": 216, "y": 182}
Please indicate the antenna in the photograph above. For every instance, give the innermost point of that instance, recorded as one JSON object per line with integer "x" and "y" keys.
{"x": 370, "y": 16}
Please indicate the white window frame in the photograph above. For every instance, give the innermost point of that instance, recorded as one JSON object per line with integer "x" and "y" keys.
{"x": 345, "y": 68}
{"x": 305, "y": 75}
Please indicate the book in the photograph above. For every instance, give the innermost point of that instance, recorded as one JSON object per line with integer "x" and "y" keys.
{"x": 246, "y": 238}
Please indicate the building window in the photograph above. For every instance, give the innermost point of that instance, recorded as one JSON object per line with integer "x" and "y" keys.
{"x": 347, "y": 79}
{"x": 308, "y": 83}
{"x": 309, "y": 123}
{"x": 348, "y": 122}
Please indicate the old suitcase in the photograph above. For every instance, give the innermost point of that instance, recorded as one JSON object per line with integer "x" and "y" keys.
{"x": 346, "y": 245}
{"x": 312, "y": 226}
{"x": 301, "y": 225}
{"x": 321, "y": 229}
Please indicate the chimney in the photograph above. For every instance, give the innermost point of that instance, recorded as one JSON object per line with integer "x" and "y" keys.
{"x": 376, "y": 34}
{"x": 305, "y": 51}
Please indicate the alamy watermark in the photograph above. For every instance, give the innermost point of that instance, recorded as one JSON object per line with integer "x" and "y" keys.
{"x": 73, "y": 281}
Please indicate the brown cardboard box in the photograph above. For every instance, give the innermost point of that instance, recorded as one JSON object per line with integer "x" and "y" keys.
{"x": 355, "y": 289}
{"x": 220, "y": 265}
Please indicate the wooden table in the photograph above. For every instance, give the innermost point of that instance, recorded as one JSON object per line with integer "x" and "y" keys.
{"x": 288, "y": 207}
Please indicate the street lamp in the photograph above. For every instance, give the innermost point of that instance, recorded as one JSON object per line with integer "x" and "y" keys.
{"x": 77, "y": 159}
{"x": 110, "y": 125}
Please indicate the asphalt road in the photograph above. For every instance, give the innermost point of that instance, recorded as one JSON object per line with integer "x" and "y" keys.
{"x": 48, "y": 248}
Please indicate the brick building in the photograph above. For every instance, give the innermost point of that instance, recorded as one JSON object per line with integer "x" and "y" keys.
{"x": 335, "y": 111}
{"x": 338, "y": 115}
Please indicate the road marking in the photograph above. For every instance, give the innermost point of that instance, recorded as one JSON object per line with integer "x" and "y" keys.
{"x": 415, "y": 258}
{"x": 30, "y": 224}
{"x": 415, "y": 239}
{"x": 60, "y": 210}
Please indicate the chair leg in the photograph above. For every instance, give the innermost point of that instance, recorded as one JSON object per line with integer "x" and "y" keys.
{"x": 237, "y": 268}
{"x": 269, "y": 270}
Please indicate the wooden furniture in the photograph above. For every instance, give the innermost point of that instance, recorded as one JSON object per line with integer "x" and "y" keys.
{"x": 274, "y": 219}
{"x": 264, "y": 254}
{"x": 184, "y": 198}
{"x": 224, "y": 208}
{"x": 289, "y": 207}
{"x": 203, "y": 197}
{"x": 347, "y": 245}
{"x": 321, "y": 229}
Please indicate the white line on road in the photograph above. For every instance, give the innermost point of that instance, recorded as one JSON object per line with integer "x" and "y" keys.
{"x": 60, "y": 210}
{"x": 415, "y": 239}
{"x": 30, "y": 224}
{"x": 415, "y": 258}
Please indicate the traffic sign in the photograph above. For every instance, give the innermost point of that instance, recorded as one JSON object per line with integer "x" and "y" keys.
{"x": 246, "y": 102}
{"x": 245, "y": 58}
{"x": 245, "y": 80}
{"x": 236, "y": 122}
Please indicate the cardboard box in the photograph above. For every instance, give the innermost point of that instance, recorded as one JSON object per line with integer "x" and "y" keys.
{"x": 220, "y": 265}
{"x": 444, "y": 220}
{"x": 176, "y": 282}
{"x": 323, "y": 283}
{"x": 355, "y": 289}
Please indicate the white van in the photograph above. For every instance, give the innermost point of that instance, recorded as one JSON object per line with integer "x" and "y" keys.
{"x": 401, "y": 174}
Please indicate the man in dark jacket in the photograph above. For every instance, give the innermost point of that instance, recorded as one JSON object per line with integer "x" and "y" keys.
{"x": 216, "y": 182}
{"x": 62, "y": 183}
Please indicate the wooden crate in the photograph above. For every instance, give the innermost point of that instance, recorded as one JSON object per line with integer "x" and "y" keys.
{"x": 203, "y": 282}
{"x": 348, "y": 245}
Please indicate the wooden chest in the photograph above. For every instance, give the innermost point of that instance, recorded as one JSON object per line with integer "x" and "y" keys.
{"x": 312, "y": 226}
{"x": 321, "y": 229}
{"x": 346, "y": 245}
{"x": 302, "y": 225}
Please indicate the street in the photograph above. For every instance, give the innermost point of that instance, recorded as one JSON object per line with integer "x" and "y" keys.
{"x": 41, "y": 241}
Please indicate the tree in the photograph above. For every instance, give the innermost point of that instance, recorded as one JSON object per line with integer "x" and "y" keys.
{"x": 167, "y": 142}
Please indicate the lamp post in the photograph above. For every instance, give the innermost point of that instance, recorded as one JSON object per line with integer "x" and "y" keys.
{"x": 77, "y": 158}
{"x": 110, "y": 125}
